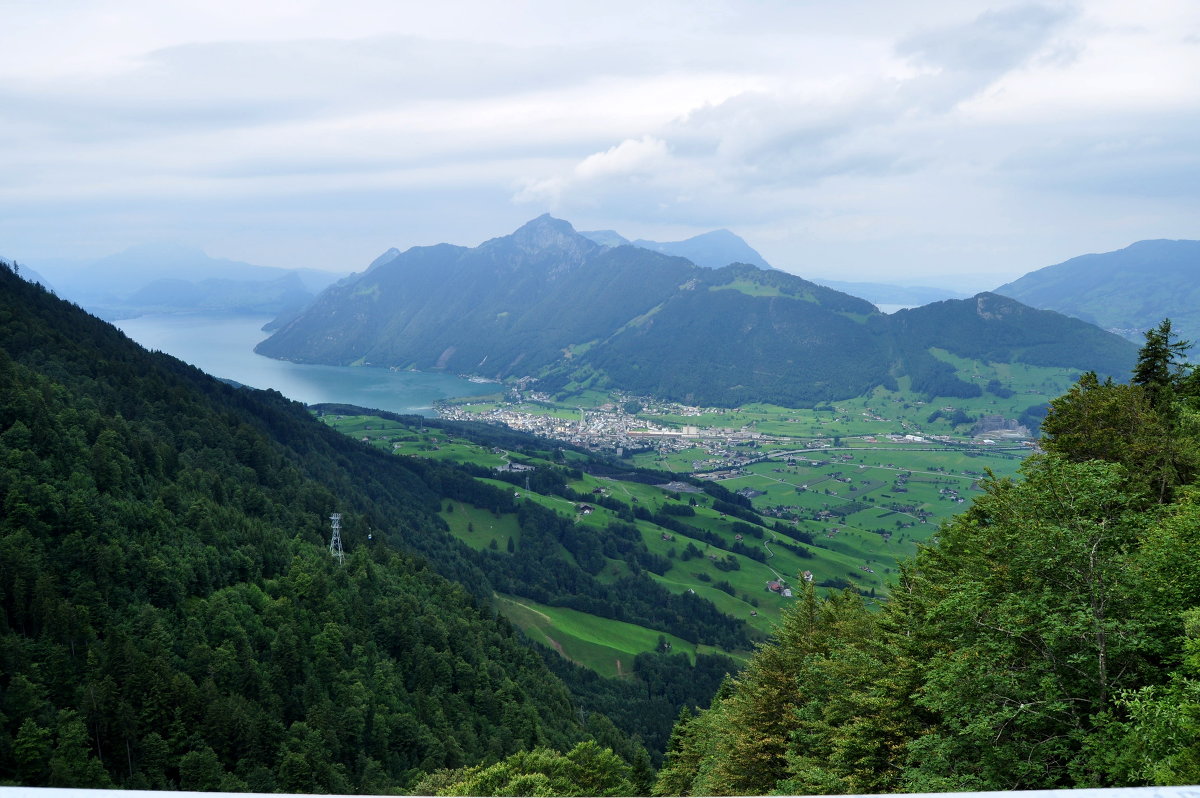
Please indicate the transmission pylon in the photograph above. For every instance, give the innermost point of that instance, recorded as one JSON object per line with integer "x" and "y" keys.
{"x": 335, "y": 542}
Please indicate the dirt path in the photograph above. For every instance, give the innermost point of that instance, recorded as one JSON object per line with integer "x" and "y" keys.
{"x": 557, "y": 646}
{"x": 770, "y": 554}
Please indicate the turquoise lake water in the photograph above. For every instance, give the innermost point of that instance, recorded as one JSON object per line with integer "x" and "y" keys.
{"x": 223, "y": 346}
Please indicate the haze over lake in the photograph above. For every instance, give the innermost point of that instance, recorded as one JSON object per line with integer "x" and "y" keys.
{"x": 224, "y": 347}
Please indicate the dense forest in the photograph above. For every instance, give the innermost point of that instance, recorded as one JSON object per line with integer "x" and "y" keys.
{"x": 1049, "y": 637}
{"x": 170, "y": 615}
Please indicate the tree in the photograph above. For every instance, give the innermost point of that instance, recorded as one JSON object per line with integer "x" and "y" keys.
{"x": 1159, "y": 742}
{"x": 1032, "y": 620}
{"x": 1122, "y": 424}
{"x": 199, "y": 770}
{"x": 743, "y": 743}
{"x": 71, "y": 764}
{"x": 1159, "y": 367}
{"x": 587, "y": 769}
{"x": 31, "y": 753}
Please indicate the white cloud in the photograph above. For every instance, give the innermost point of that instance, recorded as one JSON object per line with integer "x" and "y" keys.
{"x": 917, "y": 134}
{"x": 632, "y": 157}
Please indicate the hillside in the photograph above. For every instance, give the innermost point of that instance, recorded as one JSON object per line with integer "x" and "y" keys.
{"x": 170, "y": 616}
{"x": 994, "y": 328}
{"x": 1127, "y": 291}
{"x": 740, "y": 334}
{"x": 169, "y": 295}
{"x": 505, "y": 308}
{"x": 547, "y": 302}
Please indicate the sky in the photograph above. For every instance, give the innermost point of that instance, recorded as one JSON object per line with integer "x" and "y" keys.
{"x": 906, "y": 141}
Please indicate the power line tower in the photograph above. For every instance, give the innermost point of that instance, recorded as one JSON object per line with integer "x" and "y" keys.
{"x": 335, "y": 543}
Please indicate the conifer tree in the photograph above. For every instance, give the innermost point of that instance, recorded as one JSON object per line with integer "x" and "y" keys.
{"x": 1159, "y": 368}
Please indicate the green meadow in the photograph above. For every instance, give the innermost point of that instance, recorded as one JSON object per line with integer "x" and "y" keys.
{"x": 834, "y": 497}
{"x": 606, "y": 646}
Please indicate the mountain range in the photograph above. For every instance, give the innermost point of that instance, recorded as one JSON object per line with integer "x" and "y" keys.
{"x": 168, "y": 278}
{"x": 1127, "y": 291}
{"x": 549, "y": 303}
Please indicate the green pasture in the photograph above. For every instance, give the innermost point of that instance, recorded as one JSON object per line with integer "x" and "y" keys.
{"x": 748, "y": 287}
{"x": 404, "y": 439}
{"x": 478, "y": 527}
{"x": 453, "y": 452}
{"x": 604, "y": 645}
{"x": 860, "y": 548}
{"x": 678, "y": 462}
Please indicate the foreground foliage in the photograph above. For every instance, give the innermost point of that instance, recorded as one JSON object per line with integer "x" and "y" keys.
{"x": 1049, "y": 637}
{"x": 587, "y": 769}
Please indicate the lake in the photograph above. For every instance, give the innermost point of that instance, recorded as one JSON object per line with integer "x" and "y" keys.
{"x": 223, "y": 346}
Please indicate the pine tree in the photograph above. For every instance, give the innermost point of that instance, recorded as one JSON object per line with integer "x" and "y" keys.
{"x": 1159, "y": 367}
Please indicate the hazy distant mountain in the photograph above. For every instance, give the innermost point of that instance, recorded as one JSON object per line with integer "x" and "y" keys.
{"x": 712, "y": 250}
{"x": 157, "y": 278}
{"x": 608, "y": 238}
{"x": 889, "y": 294}
{"x": 549, "y": 302}
{"x": 216, "y": 295}
{"x": 1127, "y": 291}
{"x": 508, "y": 306}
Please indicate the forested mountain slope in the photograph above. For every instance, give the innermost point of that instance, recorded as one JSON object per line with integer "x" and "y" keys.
{"x": 1049, "y": 637}
{"x": 1130, "y": 290}
{"x": 170, "y": 615}
{"x": 994, "y": 328}
{"x": 550, "y": 303}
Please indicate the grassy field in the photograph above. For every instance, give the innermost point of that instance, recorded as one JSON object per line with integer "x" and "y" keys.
{"x": 401, "y": 439}
{"x": 854, "y": 474}
{"x": 606, "y": 646}
{"x": 481, "y": 529}
{"x": 830, "y": 475}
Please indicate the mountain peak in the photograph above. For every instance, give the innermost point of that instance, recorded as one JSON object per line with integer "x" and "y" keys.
{"x": 992, "y": 307}
{"x": 720, "y": 234}
{"x": 159, "y": 252}
{"x": 543, "y": 232}
{"x": 386, "y": 257}
{"x": 545, "y": 237}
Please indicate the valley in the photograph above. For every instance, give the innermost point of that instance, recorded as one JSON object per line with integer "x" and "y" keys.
{"x": 390, "y": 403}
{"x": 838, "y": 494}
{"x": 739, "y": 506}
{"x": 638, "y": 545}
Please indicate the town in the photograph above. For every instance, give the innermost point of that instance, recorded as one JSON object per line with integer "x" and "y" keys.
{"x": 631, "y": 425}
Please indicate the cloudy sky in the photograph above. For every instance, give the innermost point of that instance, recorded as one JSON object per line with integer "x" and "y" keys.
{"x": 866, "y": 140}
